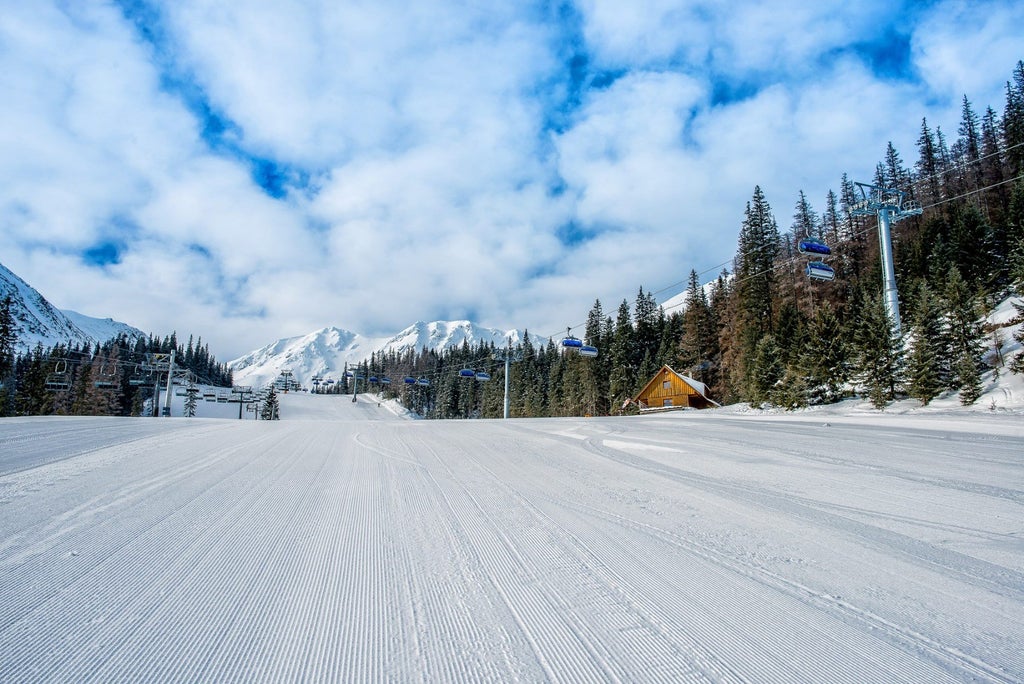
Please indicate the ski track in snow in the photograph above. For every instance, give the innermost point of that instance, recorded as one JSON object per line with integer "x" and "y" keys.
{"x": 344, "y": 544}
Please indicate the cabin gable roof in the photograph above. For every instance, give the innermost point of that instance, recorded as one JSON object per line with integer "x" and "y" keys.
{"x": 688, "y": 385}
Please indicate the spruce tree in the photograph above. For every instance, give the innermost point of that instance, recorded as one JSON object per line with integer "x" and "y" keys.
{"x": 805, "y": 221}
{"x": 8, "y": 340}
{"x": 1013, "y": 122}
{"x": 693, "y": 351}
{"x": 896, "y": 175}
{"x": 766, "y": 371}
{"x": 969, "y": 146}
{"x": 755, "y": 285}
{"x": 8, "y": 337}
{"x": 1017, "y": 365}
{"x": 1015, "y": 236}
{"x": 191, "y": 399}
{"x": 593, "y": 371}
{"x": 825, "y": 357}
{"x": 622, "y": 372}
{"x": 970, "y": 380}
{"x": 924, "y": 364}
{"x": 271, "y": 410}
{"x": 966, "y": 336}
{"x": 927, "y": 166}
{"x": 879, "y": 351}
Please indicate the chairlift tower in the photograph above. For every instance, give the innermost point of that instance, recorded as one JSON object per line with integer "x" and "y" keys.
{"x": 508, "y": 356}
{"x": 891, "y": 206}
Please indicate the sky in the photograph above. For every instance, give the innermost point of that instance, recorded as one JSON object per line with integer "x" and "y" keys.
{"x": 254, "y": 170}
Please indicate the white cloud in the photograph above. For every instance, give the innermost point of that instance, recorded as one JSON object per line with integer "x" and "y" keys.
{"x": 970, "y": 48}
{"x": 435, "y": 171}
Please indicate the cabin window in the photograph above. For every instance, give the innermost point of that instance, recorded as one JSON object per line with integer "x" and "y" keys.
{"x": 667, "y": 384}
{"x": 667, "y": 402}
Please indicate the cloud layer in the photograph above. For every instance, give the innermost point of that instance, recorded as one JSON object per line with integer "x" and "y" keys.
{"x": 248, "y": 171}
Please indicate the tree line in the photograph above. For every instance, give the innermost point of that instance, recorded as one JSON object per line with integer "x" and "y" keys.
{"x": 105, "y": 379}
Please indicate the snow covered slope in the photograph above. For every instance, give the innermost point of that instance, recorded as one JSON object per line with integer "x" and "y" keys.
{"x": 344, "y": 544}
{"x": 325, "y": 352}
{"x": 38, "y": 321}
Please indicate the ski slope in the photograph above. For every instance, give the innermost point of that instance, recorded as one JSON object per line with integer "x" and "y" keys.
{"x": 344, "y": 543}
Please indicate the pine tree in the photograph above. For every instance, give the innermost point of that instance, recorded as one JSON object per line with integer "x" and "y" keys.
{"x": 647, "y": 338}
{"x": 805, "y": 221}
{"x": 8, "y": 340}
{"x": 766, "y": 371}
{"x": 826, "y": 357}
{"x": 1017, "y": 365}
{"x": 896, "y": 175}
{"x": 970, "y": 380}
{"x": 1013, "y": 122}
{"x": 755, "y": 284}
{"x": 969, "y": 145}
{"x": 32, "y": 397}
{"x": 879, "y": 352}
{"x": 695, "y": 335}
{"x": 271, "y": 410}
{"x": 971, "y": 242}
{"x": 622, "y": 372}
{"x": 966, "y": 336}
{"x": 1015, "y": 236}
{"x": 927, "y": 166}
{"x": 830, "y": 220}
{"x": 924, "y": 364}
{"x": 191, "y": 399}
{"x": 593, "y": 371}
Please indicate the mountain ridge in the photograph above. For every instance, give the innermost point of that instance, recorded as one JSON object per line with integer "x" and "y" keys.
{"x": 37, "y": 321}
{"x": 325, "y": 352}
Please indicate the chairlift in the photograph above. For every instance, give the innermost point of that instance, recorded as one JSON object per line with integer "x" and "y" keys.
{"x": 572, "y": 342}
{"x": 467, "y": 373}
{"x": 59, "y": 380}
{"x": 587, "y": 350}
{"x": 409, "y": 380}
{"x": 482, "y": 376}
{"x": 385, "y": 381}
{"x": 106, "y": 380}
{"x": 423, "y": 382}
{"x": 818, "y": 270}
{"x": 373, "y": 379}
{"x": 138, "y": 377}
{"x": 812, "y": 246}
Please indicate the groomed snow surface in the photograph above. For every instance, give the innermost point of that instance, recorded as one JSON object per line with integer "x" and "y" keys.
{"x": 344, "y": 543}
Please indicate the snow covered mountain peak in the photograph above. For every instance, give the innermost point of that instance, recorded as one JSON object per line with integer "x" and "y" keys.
{"x": 37, "y": 321}
{"x": 325, "y": 352}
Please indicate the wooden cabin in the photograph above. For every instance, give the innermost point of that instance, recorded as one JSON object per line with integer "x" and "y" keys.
{"x": 669, "y": 390}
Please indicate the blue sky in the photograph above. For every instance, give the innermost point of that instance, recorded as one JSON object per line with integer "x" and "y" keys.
{"x": 250, "y": 170}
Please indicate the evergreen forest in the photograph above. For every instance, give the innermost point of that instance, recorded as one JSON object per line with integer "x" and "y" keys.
{"x": 109, "y": 379}
{"x": 763, "y": 332}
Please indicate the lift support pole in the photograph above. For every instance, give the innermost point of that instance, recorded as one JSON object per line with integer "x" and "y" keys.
{"x": 891, "y": 206}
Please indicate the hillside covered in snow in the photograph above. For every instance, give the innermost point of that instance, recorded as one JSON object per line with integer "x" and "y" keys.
{"x": 325, "y": 352}
{"x": 37, "y": 321}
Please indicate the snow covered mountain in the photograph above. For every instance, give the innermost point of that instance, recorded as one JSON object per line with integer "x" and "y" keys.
{"x": 325, "y": 352}
{"x": 38, "y": 321}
